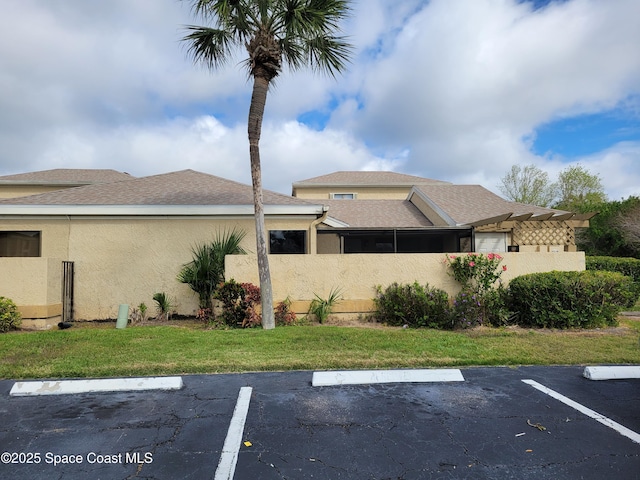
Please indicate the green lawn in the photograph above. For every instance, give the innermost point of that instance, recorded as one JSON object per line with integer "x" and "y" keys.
{"x": 165, "y": 350}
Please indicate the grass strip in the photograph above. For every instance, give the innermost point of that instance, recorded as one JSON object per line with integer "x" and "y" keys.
{"x": 171, "y": 350}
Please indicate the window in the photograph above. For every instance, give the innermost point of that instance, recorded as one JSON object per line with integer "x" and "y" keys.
{"x": 287, "y": 241}
{"x": 19, "y": 244}
{"x": 369, "y": 242}
{"x": 343, "y": 196}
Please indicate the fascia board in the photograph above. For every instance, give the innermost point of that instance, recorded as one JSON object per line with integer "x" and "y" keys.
{"x": 160, "y": 210}
{"x": 335, "y": 223}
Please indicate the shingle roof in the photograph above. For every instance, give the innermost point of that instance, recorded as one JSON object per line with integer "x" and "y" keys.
{"x": 371, "y": 178}
{"x": 377, "y": 213}
{"x": 66, "y": 176}
{"x": 186, "y": 187}
{"x": 471, "y": 203}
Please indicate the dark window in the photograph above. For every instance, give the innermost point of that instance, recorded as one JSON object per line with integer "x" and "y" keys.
{"x": 19, "y": 244}
{"x": 419, "y": 242}
{"x": 404, "y": 241}
{"x": 369, "y": 242}
{"x": 287, "y": 241}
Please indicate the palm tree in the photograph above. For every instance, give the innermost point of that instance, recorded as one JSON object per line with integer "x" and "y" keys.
{"x": 295, "y": 32}
{"x": 206, "y": 271}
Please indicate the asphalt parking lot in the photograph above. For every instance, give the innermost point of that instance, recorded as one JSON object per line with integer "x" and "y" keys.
{"x": 492, "y": 424}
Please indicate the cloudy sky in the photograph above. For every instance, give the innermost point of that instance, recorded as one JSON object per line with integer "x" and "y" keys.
{"x": 456, "y": 90}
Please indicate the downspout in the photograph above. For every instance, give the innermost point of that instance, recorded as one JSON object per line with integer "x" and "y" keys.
{"x": 313, "y": 233}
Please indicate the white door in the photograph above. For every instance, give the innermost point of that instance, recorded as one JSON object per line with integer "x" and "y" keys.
{"x": 491, "y": 242}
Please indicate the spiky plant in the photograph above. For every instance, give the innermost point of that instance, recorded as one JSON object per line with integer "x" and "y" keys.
{"x": 206, "y": 271}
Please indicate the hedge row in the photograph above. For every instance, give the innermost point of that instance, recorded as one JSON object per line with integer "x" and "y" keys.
{"x": 627, "y": 266}
{"x": 587, "y": 299}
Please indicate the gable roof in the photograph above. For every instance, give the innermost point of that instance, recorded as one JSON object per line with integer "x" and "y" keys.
{"x": 168, "y": 192}
{"x": 66, "y": 176}
{"x": 466, "y": 204}
{"x": 376, "y": 214}
{"x": 366, "y": 178}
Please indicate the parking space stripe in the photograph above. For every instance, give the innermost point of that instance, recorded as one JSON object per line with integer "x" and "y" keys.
{"x": 365, "y": 377}
{"x": 229, "y": 456}
{"x": 621, "y": 429}
{"x": 66, "y": 387}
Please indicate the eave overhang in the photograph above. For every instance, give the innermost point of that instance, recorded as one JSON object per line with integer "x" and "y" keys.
{"x": 155, "y": 210}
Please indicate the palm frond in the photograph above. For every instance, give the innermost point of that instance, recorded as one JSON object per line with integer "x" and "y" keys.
{"x": 211, "y": 46}
{"x": 206, "y": 271}
{"x": 328, "y": 54}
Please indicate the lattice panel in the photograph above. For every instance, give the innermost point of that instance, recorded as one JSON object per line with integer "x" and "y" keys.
{"x": 543, "y": 233}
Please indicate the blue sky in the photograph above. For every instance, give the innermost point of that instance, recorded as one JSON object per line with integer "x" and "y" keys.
{"x": 457, "y": 90}
{"x": 587, "y": 134}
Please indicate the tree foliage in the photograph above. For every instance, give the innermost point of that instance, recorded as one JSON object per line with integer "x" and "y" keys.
{"x": 578, "y": 190}
{"x": 615, "y": 231}
{"x": 528, "y": 185}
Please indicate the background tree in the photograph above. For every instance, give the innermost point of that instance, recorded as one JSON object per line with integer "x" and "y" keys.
{"x": 615, "y": 231}
{"x": 579, "y": 190}
{"x": 576, "y": 190}
{"x": 528, "y": 185}
{"x": 295, "y": 32}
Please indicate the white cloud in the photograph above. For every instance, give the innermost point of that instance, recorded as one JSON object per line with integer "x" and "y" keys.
{"x": 448, "y": 89}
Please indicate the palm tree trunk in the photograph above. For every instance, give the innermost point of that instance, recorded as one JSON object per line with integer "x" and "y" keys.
{"x": 256, "y": 112}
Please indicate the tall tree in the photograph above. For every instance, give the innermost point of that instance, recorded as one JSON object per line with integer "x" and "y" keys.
{"x": 297, "y": 33}
{"x": 579, "y": 190}
{"x": 527, "y": 185}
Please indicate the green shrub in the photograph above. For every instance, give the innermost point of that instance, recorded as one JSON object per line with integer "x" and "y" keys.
{"x": 413, "y": 305}
{"x": 471, "y": 309}
{"x": 283, "y": 314}
{"x": 239, "y": 302}
{"x": 475, "y": 271}
{"x": 585, "y": 299}
{"x": 626, "y": 266}
{"x": 206, "y": 271}
{"x": 10, "y": 318}
{"x": 164, "y": 305}
{"x": 321, "y": 308}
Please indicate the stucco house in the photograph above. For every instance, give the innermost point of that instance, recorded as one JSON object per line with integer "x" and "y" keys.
{"x": 376, "y": 212}
{"x": 105, "y": 238}
{"x": 127, "y": 239}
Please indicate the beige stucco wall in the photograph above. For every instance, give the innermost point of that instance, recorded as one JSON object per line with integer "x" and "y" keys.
{"x": 126, "y": 261}
{"x": 300, "y": 277}
{"x": 13, "y": 191}
{"x": 54, "y": 234}
{"x": 34, "y": 285}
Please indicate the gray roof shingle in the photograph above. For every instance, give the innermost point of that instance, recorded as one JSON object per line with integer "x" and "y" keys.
{"x": 370, "y": 178}
{"x": 186, "y": 187}
{"x": 471, "y": 203}
{"x": 66, "y": 176}
{"x": 377, "y": 213}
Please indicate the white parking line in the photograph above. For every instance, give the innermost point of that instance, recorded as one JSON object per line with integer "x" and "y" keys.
{"x": 229, "y": 456}
{"x": 65, "y": 387}
{"x": 365, "y": 377}
{"x": 621, "y": 429}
